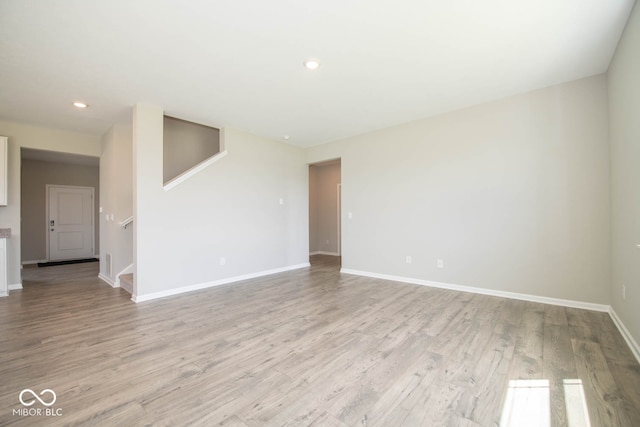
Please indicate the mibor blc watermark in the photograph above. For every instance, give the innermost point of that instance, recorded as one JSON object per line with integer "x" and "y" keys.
{"x": 46, "y": 398}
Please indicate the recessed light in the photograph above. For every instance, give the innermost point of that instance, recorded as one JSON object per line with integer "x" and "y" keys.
{"x": 286, "y": 137}
{"x": 80, "y": 104}
{"x": 312, "y": 63}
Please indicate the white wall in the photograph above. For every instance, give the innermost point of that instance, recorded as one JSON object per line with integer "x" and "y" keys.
{"x": 624, "y": 105}
{"x": 116, "y": 198}
{"x": 231, "y": 209}
{"x": 513, "y": 195}
{"x": 323, "y": 208}
{"x": 22, "y": 135}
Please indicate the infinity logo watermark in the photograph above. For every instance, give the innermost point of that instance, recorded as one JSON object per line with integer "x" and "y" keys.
{"x": 28, "y": 397}
{"x": 31, "y": 402}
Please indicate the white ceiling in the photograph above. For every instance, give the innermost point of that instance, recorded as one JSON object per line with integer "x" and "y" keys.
{"x": 239, "y": 63}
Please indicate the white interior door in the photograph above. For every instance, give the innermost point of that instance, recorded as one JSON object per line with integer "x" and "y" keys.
{"x": 70, "y": 224}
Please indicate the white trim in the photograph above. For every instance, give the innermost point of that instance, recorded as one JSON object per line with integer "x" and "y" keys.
{"x": 484, "y": 291}
{"x": 324, "y": 253}
{"x": 15, "y": 286}
{"x": 4, "y": 294}
{"x": 199, "y": 286}
{"x": 35, "y": 261}
{"x": 193, "y": 171}
{"x": 107, "y": 280}
{"x": 633, "y": 345}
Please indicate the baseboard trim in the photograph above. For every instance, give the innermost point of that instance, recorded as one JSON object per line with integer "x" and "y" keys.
{"x": 633, "y": 345}
{"x": 15, "y": 286}
{"x": 107, "y": 280}
{"x": 484, "y": 291}
{"x": 324, "y": 253}
{"x": 184, "y": 289}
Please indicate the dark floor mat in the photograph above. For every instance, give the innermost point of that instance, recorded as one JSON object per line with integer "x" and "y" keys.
{"x": 70, "y": 261}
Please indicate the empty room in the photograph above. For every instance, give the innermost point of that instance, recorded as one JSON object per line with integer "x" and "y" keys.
{"x": 336, "y": 213}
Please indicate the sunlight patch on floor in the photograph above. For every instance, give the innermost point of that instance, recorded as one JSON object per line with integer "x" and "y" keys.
{"x": 527, "y": 404}
{"x": 576, "y": 403}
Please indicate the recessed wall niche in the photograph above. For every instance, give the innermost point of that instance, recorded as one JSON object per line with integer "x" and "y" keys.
{"x": 185, "y": 145}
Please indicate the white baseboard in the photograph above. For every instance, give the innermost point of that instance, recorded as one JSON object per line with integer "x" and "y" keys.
{"x": 484, "y": 291}
{"x": 15, "y": 286}
{"x": 324, "y": 253}
{"x": 199, "y": 286}
{"x": 633, "y": 345}
{"x": 107, "y": 280}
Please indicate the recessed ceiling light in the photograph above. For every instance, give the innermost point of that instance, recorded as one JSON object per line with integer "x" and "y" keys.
{"x": 286, "y": 137}
{"x": 312, "y": 63}
{"x": 80, "y": 104}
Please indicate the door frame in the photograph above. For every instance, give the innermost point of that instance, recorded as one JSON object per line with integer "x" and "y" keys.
{"x": 46, "y": 215}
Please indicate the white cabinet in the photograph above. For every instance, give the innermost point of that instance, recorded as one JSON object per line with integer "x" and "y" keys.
{"x": 3, "y": 170}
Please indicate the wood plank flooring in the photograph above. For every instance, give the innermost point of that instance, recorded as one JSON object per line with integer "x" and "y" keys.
{"x": 307, "y": 347}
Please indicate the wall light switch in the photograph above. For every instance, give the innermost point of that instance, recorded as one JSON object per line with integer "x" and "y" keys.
{"x": 408, "y": 259}
{"x": 281, "y": 201}
{"x": 440, "y": 263}
{"x": 350, "y": 215}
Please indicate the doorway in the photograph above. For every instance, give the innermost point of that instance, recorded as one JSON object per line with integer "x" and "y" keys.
{"x": 70, "y": 226}
{"x": 325, "y": 204}
{"x": 40, "y": 168}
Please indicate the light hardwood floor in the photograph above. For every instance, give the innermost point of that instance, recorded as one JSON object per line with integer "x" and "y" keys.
{"x": 307, "y": 347}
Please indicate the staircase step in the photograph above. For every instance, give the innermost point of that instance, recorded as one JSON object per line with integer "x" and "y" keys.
{"x": 126, "y": 281}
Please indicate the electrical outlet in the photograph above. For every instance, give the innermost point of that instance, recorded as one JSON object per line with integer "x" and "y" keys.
{"x": 624, "y": 292}
{"x": 408, "y": 259}
{"x": 440, "y": 263}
